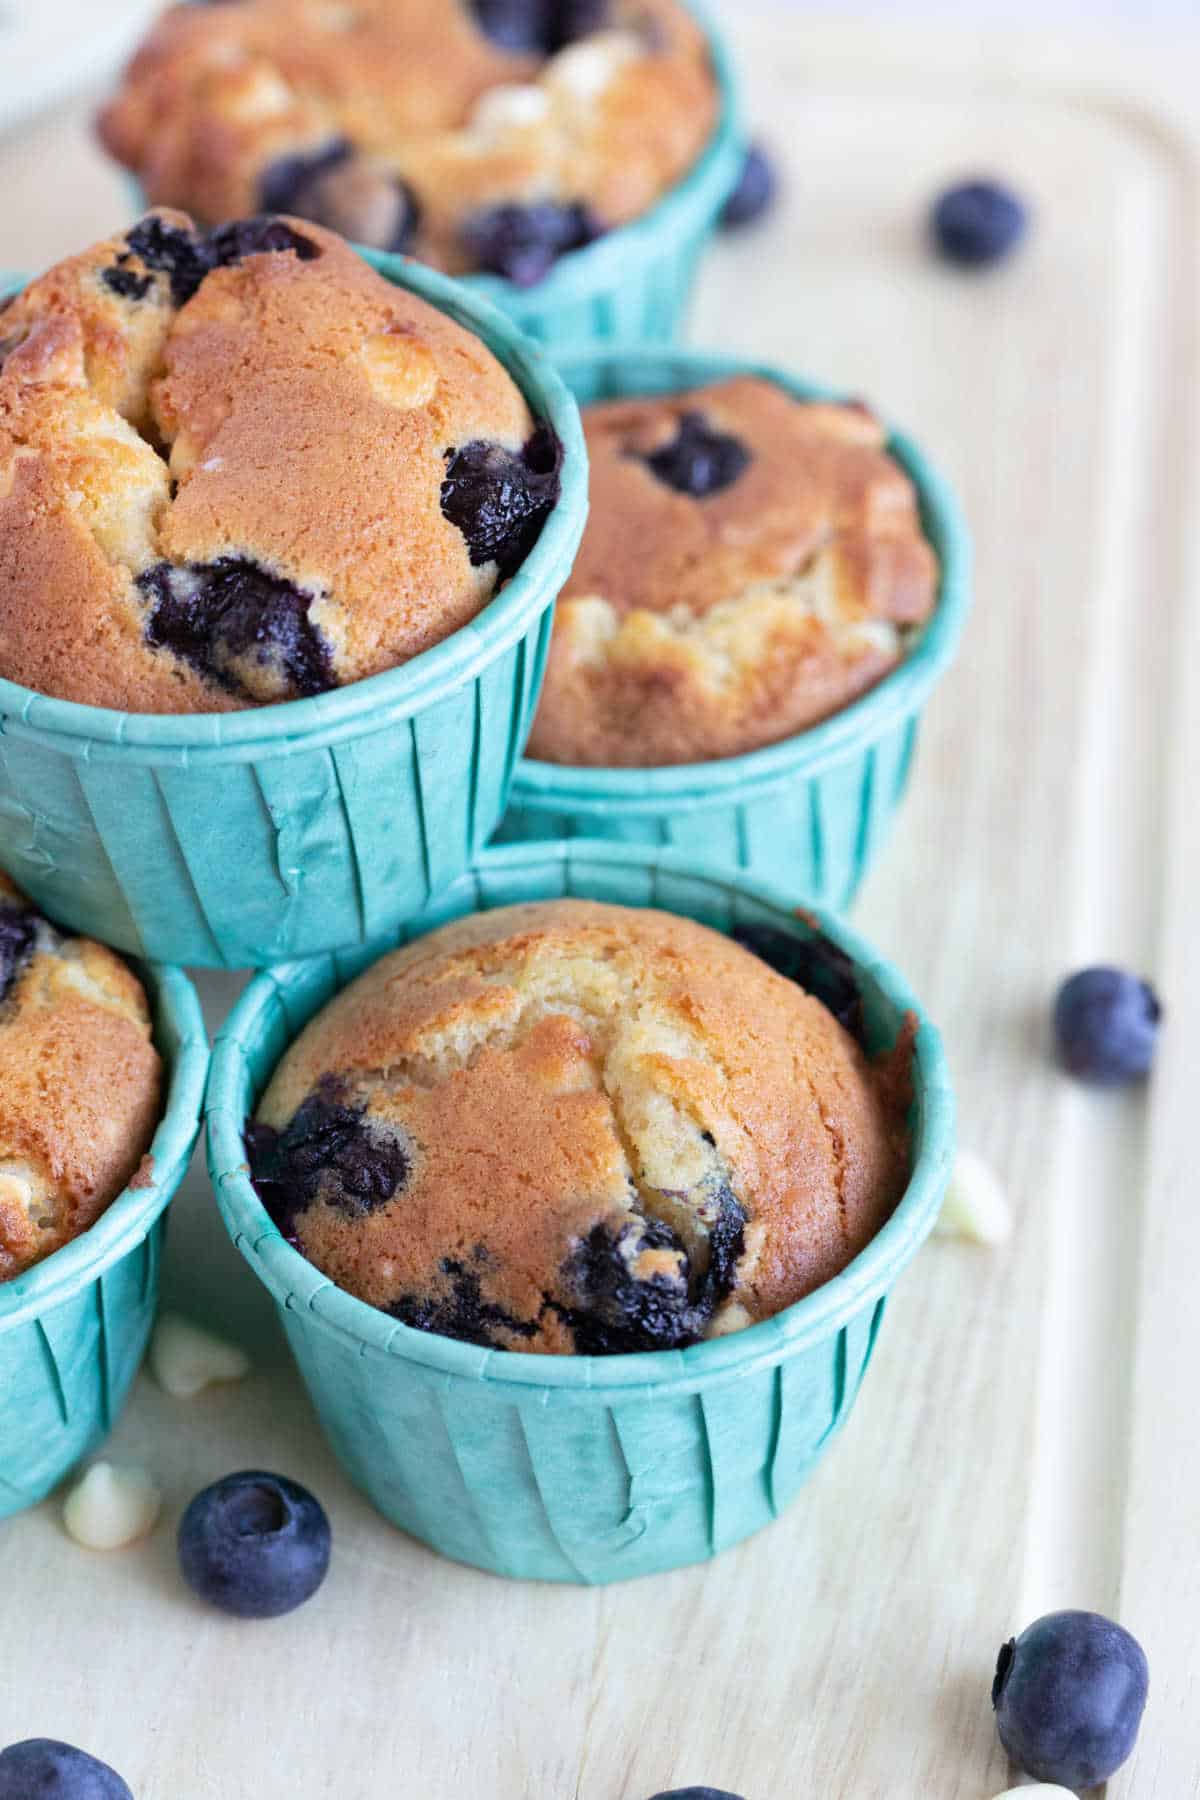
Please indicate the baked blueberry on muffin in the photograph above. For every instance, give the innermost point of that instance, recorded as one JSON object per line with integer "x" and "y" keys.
{"x": 239, "y": 467}
{"x": 474, "y": 134}
{"x": 568, "y": 1126}
{"x": 79, "y": 1083}
{"x": 751, "y": 564}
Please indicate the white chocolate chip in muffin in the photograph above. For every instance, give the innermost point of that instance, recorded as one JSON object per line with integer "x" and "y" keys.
{"x": 518, "y": 106}
{"x": 976, "y": 1206}
{"x": 113, "y": 1505}
{"x": 185, "y": 1358}
{"x": 582, "y": 72}
{"x": 401, "y": 371}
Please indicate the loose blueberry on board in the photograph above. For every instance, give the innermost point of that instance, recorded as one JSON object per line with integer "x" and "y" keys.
{"x": 255, "y": 1545}
{"x": 523, "y": 243}
{"x": 696, "y": 1793}
{"x": 44, "y": 1769}
{"x": 500, "y": 499}
{"x": 1106, "y": 1024}
{"x": 978, "y": 223}
{"x": 700, "y": 461}
{"x": 755, "y": 193}
{"x": 1069, "y": 1695}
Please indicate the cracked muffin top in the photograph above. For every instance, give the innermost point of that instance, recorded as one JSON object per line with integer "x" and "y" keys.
{"x": 474, "y": 134}
{"x": 751, "y": 564}
{"x": 80, "y": 1083}
{"x": 568, "y": 1126}
{"x": 241, "y": 467}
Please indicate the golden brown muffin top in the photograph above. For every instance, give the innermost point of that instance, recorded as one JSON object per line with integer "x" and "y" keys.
{"x": 80, "y": 1083}
{"x": 572, "y": 1126}
{"x": 751, "y": 564}
{"x": 242, "y": 467}
{"x": 405, "y": 124}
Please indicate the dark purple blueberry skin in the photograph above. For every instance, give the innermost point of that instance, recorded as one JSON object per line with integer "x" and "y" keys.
{"x": 523, "y": 243}
{"x": 208, "y": 612}
{"x": 255, "y": 1545}
{"x": 978, "y": 223}
{"x": 1069, "y": 1695}
{"x": 18, "y": 932}
{"x": 44, "y": 1769}
{"x": 700, "y": 461}
{"x": 500, "y": 499}
{"x": 328, "y": 1150}
{"x": 694, "y": 1793}
{"x": 538, "y": 27}
{"x": 755, "y": 194}
{"x": 1106, "y": 1025}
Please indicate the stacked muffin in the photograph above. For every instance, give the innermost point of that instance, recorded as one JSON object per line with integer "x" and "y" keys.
{"x": 282, "y": 530}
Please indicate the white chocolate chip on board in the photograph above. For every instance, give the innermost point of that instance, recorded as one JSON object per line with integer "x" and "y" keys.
{"x": 976, "y": 1206}
{"x": 1042, "y": 1788}
{"x": 112, "y": 1506}
{"x": 185, "y": 1358}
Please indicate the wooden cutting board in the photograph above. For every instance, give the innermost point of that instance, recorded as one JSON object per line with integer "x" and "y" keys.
{"x": 1030, "y": 1435}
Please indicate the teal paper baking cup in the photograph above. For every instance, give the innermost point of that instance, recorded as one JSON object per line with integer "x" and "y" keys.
{"x": 238, "y": 839}
{"x": 73, "y": 1329}
{"x": 636, "y": 283}
{"x": 812, "y": 812}
{"x": 577, "y": 1468}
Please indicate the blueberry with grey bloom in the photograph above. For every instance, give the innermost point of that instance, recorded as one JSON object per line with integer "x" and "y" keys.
{"x": 45, "y": 1769}
{"x": 755, "y": 193}
{"x": 255, "y": 1545}
{"x": 978, "y": 223}
{"x": 1069, "y": 1694}
{"x": 1106, "y": 1023}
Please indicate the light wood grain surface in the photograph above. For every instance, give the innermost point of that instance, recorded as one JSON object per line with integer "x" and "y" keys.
{"x": 1029, "y": 1436}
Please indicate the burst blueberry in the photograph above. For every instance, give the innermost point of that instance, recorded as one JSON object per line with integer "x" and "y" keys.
{"x": 1106, "y": 1023}
{"x": 523, "y": 243}
{"x": 18, "y": 934}
{"x": 755, "y": 193}
{"x": 45, "y": 1769}
{"x": 284, "y": 184}
{"x": 500, "y": 499}
{"x": 700, "y": 460}
{"x": 230, "y": 617}
{"x": 978, "y": 223}
{"x": 330, "y": 1151}
{"x": 255, "y": 1545}
{"x": 1069, "y": 1694}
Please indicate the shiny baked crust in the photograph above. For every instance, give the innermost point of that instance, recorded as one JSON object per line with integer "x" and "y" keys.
{"x": 697, "y": 628}
{"x": 220, "y": 97}
{"x": 279, "y": 426}
{"x": 573, "y": 1126}
{"x": 80, "y": 1083}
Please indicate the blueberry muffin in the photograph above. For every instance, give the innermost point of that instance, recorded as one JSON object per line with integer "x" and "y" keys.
{"x": 575, "y": 1127}
{"x": 752, "y": 563}
{"x": 474, "y": 134}
{"x": 241, "y": 467}
{"x": 80, "y": 1083}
